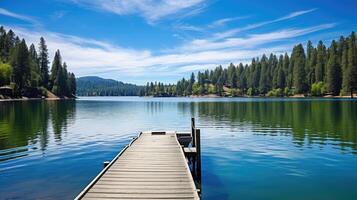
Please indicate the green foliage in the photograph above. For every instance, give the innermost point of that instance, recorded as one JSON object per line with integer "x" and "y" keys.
{"x": 275, "y": 93}
{"x": 318, "y": 89}
{"x": 211, "y": 89}
{"x": 5, "y": 73}
{"x": 288, "y": 91}
{"x": 195, "y": 89}
{"x": 235, "y": 92}
{"x": 250, "y": 92}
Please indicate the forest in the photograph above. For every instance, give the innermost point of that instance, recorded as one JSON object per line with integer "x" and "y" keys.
{"x": 96, "y": 86}
{"x": 24, "y": 71}
{"x": 318, "y": 71}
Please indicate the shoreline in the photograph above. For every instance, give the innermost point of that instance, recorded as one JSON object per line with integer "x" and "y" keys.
{"x": 193, "y": 96}
{"x": 36, "y": 99}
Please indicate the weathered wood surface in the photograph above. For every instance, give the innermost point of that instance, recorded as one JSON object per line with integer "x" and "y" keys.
{"x": 152, "y": 167}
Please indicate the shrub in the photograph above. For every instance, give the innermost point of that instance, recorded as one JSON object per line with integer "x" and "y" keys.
{"x": 275, "y": 93}
{"x": 318, "y": 89}
{"x": 235, "y": 92}
{"x": 5, "y": 73}
{"x": 250, "y": 92}
{"x": 211, "y": 89}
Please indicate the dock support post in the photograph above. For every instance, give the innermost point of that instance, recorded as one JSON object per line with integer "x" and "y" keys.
{"x": 105, "y": 163}
{"x": 193, "y": 134}
{"x": 198, "y": 157}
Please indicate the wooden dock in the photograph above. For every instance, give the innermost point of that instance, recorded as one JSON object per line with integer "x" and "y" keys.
{"x": 153, "y": 166}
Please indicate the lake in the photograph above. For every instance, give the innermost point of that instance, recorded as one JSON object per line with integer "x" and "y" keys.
{"x": 252, "y": 148}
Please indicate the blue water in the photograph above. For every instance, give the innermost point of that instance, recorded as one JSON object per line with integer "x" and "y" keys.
{"x": 251, "y": 148}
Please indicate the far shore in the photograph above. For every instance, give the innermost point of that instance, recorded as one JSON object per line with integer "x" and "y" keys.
{"x": 256, "y": 96}
{"x": 55, "y": 98}
{"x": 216, "y": 96}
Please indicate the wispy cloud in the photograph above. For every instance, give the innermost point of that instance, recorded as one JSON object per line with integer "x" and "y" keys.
{"x": 151, "y": 10}
{"x": 18, "y": 16}
{"x": 222, "y": 22}
{"x": 232, "y": 32}
{"x": 212, "y": 25}
{"x": 253, "y": 40}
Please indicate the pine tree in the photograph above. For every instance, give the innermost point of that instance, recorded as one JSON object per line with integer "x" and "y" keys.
{"x": 345, "y": 69}
{"x": 352, "y": 64}
{"x": 299, "y": 61}
{"x": 320, "y": 62}
{"x": 263, "y": 80}
{"x": 10, "y": 41}
{"x": 56, "y": 67}
{"x": 281, "y": 74}
{"x": 65, "y": 81}
{"x": 333, "y": 71}
{"x": 256, "y": 74}
{"x": 311, "y": 54}
{"x": 34, "y": 67}
{"x": 43, "y": 62}
{"x": 72, "y": 84}
{"x": 20, "y": 64}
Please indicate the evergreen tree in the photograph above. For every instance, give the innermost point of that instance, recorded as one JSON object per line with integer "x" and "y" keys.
{"x": 311, "y": 54}
{"x": 10, "y": 41}
{"x": 43, "y": 62}
{"x": 299, "y": 69}
{"x": 281, "y": 73}
{"x": 20, "y": 63}
{"x": 56, "y": 67}
{"x": 72, "y": 84}
{"x": 263, "y": 80}
{"x": 34, "y": 67}
{"x": 351, "y": 71}
{"x": 320, "y": 62}
{"x": 333, "y": 71}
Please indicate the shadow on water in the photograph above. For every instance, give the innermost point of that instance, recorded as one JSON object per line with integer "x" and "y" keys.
{"x": 26, "y": 125}
{"x": 310, "y": 122}
{"x": 212, "y": 182}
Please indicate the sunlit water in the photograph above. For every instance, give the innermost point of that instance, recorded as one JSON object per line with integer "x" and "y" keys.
{"x": 251, "y": 148}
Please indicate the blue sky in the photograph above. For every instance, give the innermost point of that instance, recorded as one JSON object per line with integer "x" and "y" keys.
{"x": 147, "y": 40}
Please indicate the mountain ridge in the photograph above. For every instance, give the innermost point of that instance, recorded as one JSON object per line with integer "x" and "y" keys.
{"x": 98, "y": 86}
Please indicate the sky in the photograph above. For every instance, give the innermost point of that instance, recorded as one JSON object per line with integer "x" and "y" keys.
{"x": 164, "y": 40}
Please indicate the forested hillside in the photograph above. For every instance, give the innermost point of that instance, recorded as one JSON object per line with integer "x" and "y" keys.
{"x": 96, "y": 86}
{"x": 24, "y": 71}
{"x": 318, "y": 71}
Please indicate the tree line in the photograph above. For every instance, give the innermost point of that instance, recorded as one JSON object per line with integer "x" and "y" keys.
{"x": 317, "y": 71}
{"x": 26, "y": 70}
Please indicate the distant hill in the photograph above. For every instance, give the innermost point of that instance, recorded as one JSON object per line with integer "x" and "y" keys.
{"x": 96, "y": 86}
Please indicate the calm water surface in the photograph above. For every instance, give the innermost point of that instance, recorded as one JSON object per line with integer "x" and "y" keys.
{"x": 251, "y": 148}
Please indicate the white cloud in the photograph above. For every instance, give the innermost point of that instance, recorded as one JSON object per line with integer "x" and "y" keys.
{"x": 232, "y": 32}
{"x": 18, "y": 16}
{"x": 224, "y": 21}
{"x": 151, "y": 10}
{"x": 214, "y": 24}
{"x": 252, "y": 40}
